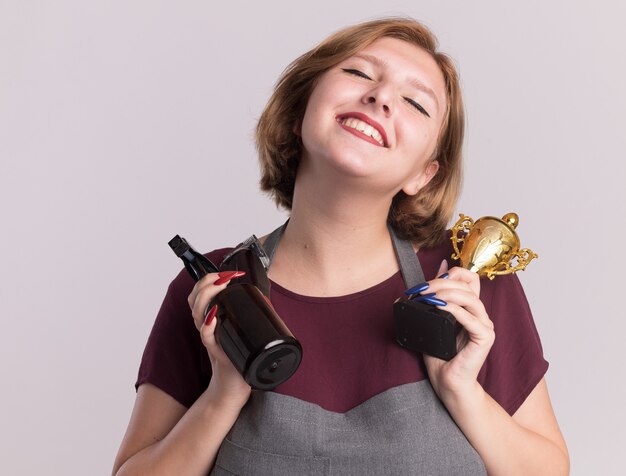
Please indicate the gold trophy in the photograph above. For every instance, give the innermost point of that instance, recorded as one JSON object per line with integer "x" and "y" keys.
{"x": 489, "y": 247}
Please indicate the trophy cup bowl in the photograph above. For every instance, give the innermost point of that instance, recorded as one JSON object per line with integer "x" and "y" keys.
{"x": 489, "y": 247}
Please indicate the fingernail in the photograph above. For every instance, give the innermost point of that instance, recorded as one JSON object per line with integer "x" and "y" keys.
{"x": 429, "y": 295}
{"x": 233, "y": 274}
{"x": 226, "y": 276}
{"x": 417, "y": 289}
{"x": 431, "y": 300}
{"x": 443, "y": 276}
{"x": 210, "y": 315}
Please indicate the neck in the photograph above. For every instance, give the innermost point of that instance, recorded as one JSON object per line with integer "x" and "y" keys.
{"x": 335, "y": 231}
{"x": 327, "y": 222}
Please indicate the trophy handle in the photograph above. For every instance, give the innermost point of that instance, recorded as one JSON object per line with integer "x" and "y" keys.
{"x": 464, "y": 223}
{"x": 524, "y": 256}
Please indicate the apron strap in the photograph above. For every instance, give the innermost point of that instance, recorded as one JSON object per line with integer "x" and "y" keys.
{"x": 410, "y": 267}
{"x": 271, "y": 242}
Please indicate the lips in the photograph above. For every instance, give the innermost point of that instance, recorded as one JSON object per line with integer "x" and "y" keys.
{"x": 364, "y": 127}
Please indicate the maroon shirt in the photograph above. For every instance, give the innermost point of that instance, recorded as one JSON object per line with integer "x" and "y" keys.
{"x": 349, "y": 349}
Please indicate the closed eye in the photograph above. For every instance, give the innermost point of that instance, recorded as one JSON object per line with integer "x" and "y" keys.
{"x": 361, "y": 74}
{"x": 417, "y": 106}
{"x": 356, "y": 72}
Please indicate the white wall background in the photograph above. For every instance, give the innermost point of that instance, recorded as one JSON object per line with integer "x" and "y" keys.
{"x": 123, "y": 123}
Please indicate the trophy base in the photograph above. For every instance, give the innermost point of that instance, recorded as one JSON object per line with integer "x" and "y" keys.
{"x": 424, "y": 328}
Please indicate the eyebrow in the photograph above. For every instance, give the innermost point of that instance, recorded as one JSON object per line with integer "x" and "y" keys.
{"x": 416, "y": 83}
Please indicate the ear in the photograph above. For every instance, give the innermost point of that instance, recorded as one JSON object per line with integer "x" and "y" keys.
{"x": 422, "y": 178}
{"x": 297, "y": 128}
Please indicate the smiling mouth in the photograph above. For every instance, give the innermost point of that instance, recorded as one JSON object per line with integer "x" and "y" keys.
{"x": 363, "y": 127}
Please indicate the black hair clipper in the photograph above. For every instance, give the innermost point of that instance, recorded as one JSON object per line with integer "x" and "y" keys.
{"x": 253, "y": 336}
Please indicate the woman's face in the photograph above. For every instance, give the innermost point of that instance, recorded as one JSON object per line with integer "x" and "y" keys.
{"x": 377, "y": 116}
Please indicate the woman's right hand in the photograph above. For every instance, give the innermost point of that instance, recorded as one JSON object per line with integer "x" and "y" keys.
{"x": 227, "y": 386}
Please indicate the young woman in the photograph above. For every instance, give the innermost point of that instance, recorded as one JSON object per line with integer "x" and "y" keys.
{"x": 361, "y": 141}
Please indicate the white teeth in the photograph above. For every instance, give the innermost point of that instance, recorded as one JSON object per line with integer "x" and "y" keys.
{"x": 363, "y": 127}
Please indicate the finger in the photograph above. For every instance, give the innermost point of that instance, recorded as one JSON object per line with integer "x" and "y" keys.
{"x": 203, "y": 297}
{"x": 478, "y": 330}
{"x": 226, "y": 276}
{"x": 201, "y": 284}
{"x": 467, "y": 276}
{"x": 207, "y": 330}
{"x": 217, "y": 279}
{"x": 210, "y": 341}
{"x": 468, "y": 301}
{"x": 437, "y": 285}
{"x": 210, "y": 315}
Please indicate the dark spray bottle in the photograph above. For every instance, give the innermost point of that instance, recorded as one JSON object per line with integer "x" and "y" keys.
{"x": 253, "y": 336}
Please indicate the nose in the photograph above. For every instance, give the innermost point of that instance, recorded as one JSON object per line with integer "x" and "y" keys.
{"x": 380, "y": 97}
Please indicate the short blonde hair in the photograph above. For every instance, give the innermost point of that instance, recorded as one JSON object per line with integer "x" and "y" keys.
{"x": 421, "y": 218}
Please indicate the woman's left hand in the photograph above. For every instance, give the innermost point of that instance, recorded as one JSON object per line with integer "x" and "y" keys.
{"x": 461, "y": 291}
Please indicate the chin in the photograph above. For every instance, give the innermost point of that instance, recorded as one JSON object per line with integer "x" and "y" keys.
{"x": 356, "y": 161}
{"x": 351, "y": 159}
